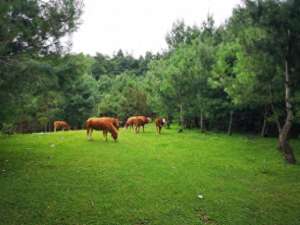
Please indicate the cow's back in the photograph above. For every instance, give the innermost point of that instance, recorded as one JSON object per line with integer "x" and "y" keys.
{"x": 113, "y": 120}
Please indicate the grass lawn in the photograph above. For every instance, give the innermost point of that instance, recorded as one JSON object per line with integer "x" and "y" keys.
{"x": 62, "y": 178}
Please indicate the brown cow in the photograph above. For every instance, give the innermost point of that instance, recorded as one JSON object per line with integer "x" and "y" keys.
{"x": 129, "y": 122}
{"x": 137, "y": 122}
{"x": 103, "y": 124}
{"x": 159, "y": 123}
{"x": 61, "y": 125}
{"x": 145, "y": 120}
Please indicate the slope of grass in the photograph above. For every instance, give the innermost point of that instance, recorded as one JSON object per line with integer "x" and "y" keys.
{"x": 62, "y": 178}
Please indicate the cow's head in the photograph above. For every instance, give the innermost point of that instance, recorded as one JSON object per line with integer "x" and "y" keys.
{"x": 114, "y": 136}
{"x": 148, "y": 119}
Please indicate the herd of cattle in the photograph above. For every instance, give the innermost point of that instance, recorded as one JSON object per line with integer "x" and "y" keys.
{"x": 111, "y": 125}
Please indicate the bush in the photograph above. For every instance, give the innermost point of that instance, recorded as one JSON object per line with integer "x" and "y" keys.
{"x": 8, "y": 128}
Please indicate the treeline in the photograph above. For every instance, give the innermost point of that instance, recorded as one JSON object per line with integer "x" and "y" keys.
{"x": 242, "y": 76}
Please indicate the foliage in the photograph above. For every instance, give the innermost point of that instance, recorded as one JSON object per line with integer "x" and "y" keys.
{"x": 122, "y": 96}
{"x": 8, "y": 128}
{"x": 207, "y": 73}
{"x": 30, "y": 37}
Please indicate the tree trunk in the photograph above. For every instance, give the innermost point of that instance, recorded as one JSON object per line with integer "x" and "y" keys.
{"x": 169, "y": 121}
{"x": 201, "y": 121}
{"x": 262, "y": 133}
{"x": 283, "y": 135}
{"x": 274, "y": 111}
{"x": 181, "y": 116}
{"x": 263, "y": 129}
{"x": 229, "y": 132}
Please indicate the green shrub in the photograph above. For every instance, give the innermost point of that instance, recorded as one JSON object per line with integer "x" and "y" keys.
{"x": 8, "y": 128}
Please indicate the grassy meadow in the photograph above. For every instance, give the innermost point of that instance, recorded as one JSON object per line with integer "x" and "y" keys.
{"x": 175, "y": 178}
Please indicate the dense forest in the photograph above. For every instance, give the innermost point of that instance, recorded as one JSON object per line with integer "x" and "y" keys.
{"x": 241, "y": 76}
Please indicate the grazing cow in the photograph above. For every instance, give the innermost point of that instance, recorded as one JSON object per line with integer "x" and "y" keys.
{"x": 137, "y": 122}
{"x": 61, "y": 125}
{"x": 159, "y": 123}
{"x": 104, "y": 124}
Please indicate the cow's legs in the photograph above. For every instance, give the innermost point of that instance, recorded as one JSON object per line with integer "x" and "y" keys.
{"x": 90, "y": 131}
{"x": 54, "y": 128}
{"x": 87, "y": 132}
{"x": 105, "y": 133}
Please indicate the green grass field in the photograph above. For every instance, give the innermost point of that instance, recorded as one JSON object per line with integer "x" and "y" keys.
{"x": 62, "y": 178}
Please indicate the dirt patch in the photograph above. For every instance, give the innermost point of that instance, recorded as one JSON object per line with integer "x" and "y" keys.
{"x": 205, "y": 218}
